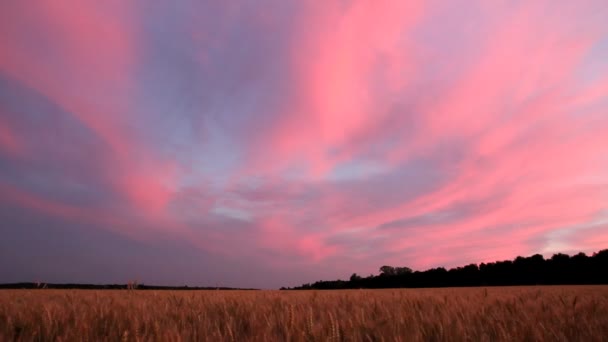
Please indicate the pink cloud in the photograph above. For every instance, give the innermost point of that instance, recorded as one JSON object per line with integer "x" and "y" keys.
{"x": 338, "y": 53}
{"x": 89, "y": 71}
{"x": 10, "y": 143}
{"x": 529, "y": 140}
{"x": 279, "y": 235}
{"x": 531, "y": 148}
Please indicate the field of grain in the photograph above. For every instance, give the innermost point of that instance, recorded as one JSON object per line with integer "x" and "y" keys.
{"x": 565, "y": 313}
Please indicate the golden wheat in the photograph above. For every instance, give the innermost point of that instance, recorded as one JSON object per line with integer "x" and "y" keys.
{"x": 561, "y": 313}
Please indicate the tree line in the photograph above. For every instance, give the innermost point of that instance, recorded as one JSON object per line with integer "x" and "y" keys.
{"x": 560, "y": 269}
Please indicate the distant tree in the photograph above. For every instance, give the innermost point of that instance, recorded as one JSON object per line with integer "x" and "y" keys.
{"x": 402, "y": 270}
{"x": 560, "y": 258}
{"x": 393, "y": 271}
{"x": 603, "y": 254}
{"x": 579, "y": 258}
{"x": 355, "y": 277}
{"x": 387, "y": 270}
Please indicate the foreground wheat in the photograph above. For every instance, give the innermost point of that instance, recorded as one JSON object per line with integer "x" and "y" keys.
{"x": 577, "y": 313}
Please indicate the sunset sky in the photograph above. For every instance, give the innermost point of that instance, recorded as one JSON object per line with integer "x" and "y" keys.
{"x": 272, "y": 143}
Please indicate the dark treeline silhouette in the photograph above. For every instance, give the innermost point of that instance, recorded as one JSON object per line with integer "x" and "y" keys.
{"x": 107, "y": 287}
{"x": 560, "y": 269}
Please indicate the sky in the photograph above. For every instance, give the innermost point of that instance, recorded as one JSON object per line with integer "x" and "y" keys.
{"x": 272, "y": 143}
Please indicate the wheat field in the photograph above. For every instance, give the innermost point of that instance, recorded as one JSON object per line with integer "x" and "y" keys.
{"x": 561, "y": 313}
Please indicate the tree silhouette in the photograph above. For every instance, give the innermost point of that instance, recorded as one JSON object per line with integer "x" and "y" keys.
{"x": 560, "y": 269}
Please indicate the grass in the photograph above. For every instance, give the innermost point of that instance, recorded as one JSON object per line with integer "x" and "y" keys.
{"x": 561, "y": 313}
